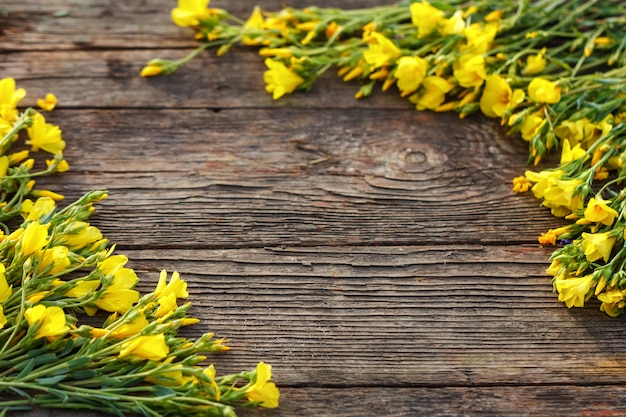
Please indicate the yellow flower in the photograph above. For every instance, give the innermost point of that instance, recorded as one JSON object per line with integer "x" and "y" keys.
{"x": 51, "y": 320}
{"x": 41, "y": 207}
{"x": 263, "y": 390}
{"x": 83, "y": 288}
{"x": 151, "y": 70}
{"x": 381, "y": 51}
{"x": 535, "y": 63}
{"x": 279, "y": 79}
{"x": 3, "y": 319}
{"x": 131, "y": 328}
{"x": 34, "y": 238}
{"x": 597, "y": 245}
{"x": 62, "y": 166}
{"x": 573, "y": 291}
{"x": 544, "y": 91}
{"x": 569, "y": 154}
{"x": 454, "y": 25}
{"x": 561, "y": 197}
{"x": 426, "y": 17}
{"x": 521, "y": 184}
{"x": 48, "y": 103}
{"x": 599, "y": 212}
{"x": 494, "y": 16}
{"x": 151, "y": 347}
{"x": 9, "y": 98}
{"x": 254, "y": 22}
{"x": 531, "y": 126}
{"x": 498, "y": 97}
{"x": 480, "y": 37}
{"x": 5, "y": 289}
{"x": 176, "y": 286}
{"x": 80, "y": 234}
{"x": 56, "y": 258}
{"x": 470, "y": 71}
{"x": 119, "y": 295}
{"x": 611, "y": 301}
{"x": 410, "y": 72}
{"x": 44, "y": 135}
{"x": 189, "y": 12}
{"x": 435, "y": 89}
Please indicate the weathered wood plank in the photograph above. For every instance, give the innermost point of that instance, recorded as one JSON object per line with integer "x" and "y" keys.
{"x": 394, "y": 316}
{"x": 270, "y": 177}
{"x": 110, "y": 78}
{"x": 80, "y": 24}
{"x": 530, "y": 401}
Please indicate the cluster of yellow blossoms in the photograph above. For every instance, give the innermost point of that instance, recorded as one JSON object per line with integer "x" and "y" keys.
{"x": 56, "y": 269}
{"x": 553, "y": 72}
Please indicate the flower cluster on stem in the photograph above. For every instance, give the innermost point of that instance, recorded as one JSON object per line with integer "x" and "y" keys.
{"x": 552, "y": 72}
{"x": 57, "y": 270}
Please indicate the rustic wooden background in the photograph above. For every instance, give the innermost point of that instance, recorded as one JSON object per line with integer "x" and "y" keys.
{"x": 373, "y": 254}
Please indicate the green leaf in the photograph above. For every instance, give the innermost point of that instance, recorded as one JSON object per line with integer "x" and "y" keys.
{"x": 51, "y": 380}
{"x": 47, "y": 358}
{"x": 161, "y": 391}
{"x": 26, "y": 368}
{"x": 78, "y": 363}
{"x": 84, "y": 374}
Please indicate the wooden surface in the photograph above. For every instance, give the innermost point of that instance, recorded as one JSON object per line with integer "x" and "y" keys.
{"x": 374, "y": 255}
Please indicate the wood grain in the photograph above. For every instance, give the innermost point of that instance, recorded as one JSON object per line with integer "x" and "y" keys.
{"x": 237, "y": 177}
{"x": 374, "y": 255}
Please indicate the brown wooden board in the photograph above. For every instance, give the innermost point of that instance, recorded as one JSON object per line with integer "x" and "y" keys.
{"x": 374, "y": 255}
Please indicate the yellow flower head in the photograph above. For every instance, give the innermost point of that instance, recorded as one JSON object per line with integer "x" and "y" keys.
{"x": 435, "y": 90}
{"x": 599, "y": 212}
{"x": 80, "y": 234}
{"x": 119, "y": 295}
{"x": 44, "y": 135}
{"x": 535, "y": 63}
{"x": 152, "y": 347}
{"x": 561, "y": 196}
{"x": 454, "y": 25}
{"x": 254, "y": 22}
{"x": 470, "y": 71}
{"x": 48, "y": 103}
{"x": 189, "y": 12}
{"x": 51, "y": 320}
{"x": 279, "y": 79}
{"x": 597, "y": 245}
{"x": 262, "y": 389}
{"x": 34, "y": 238}
{"x": 83, "y": 288}
{"x": 9, "y": 98}
{"x": 480, "y": 37}
{"x": 498, "y": 97}
{"x": 3, "y": 319}
{"x": 426, "y": 18}
{"x": 41, "y": 207}
{"x": 544, "y": 91}
{"x": 611, "y": 301}
{"x": 532, "y": 125}
{"x": 56, "y": 258}
{"x": 176, "y": 286}
{"x": 410, "y": 72}
{"x": 521, "y": 184}
{"x": 381, "y": 51}
{"x": 151, "y": 70}
{"x": 573, "y": 291}
{"x": 569, "y": 154}
{"x": 5, "y": 289}
{"x": 131, "y": 328}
